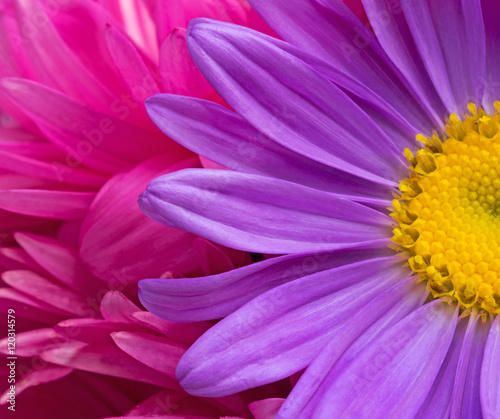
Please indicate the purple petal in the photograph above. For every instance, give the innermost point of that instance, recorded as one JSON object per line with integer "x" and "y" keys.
{"x": 286, "y": 99}
{"x": 207, "y": 298}
{"x": 466, "y": 398}
{"x": 395, "y": 372}
{"x": 491, "y": 11}
{"x": 260, "y": 214}
{"x": 390, "y": 27}
{"x": 281, "y": 331}
{"x": 354, "y": 336}
{"x": 447, "y": 33}
{"x": 438, "y": 402}
{"x": 330, "y": 31}
{"x": 232, "y": 142}
{"x": 490, "y": 383}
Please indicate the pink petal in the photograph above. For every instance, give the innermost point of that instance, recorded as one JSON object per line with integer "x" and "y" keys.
{"x": 178, "y": 72}
{"x": 158, "y": 353}
{"x": 33, "y": 342}
{"x": 55, "y": 62}
{"x": 136, "y": 247}
{"x": 133, "y": 69}
{"x": 60, "y": 260}
{"x": 116, "y": 307}
{"x": 186, "y": 333}
{"x": 36, "y": 377}
{"x": 59, "y": 205}
{"x": 108, "y": 360}
{"x": 64, "y": 300}
{"x": 266, "y": 409}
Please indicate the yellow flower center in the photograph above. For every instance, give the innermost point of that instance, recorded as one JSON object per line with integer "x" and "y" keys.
{"x": 448, "y": 212}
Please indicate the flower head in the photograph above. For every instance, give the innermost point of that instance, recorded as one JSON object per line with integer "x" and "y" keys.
{"x": 388, "y": 290}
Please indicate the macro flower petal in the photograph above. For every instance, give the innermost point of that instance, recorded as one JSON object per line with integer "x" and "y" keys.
{"x": 297, "y": 218}
{"x": 395, "y": 372}
{"x": 207, "y": 298}
{"x": 281, "y": 331}
{"x": 106, "y": 359}
{"x": 330, "y": 31}
{"x": 349, "y": 341}
{"x": 491, "y": 11}
{"x": 120, "y": 253}
{"x": 178, "y": 72}
{"x": 490, "y": 384}
{"x": 302, "y": 112}
{"x": 59, "y": 205}
{"x": 438, "y": 402}
{"x": 392, "y": 31}
{"x": 447, "y": 33}
{"x": 232, "y": 142}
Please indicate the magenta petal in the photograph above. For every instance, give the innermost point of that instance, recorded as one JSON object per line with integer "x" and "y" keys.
{"x": 108, "y": 360}
{"x": 185, "y": 333}
{"x": 91, "y": 137}
{"x": 36, "y": 377}
{"x": 490, "y": 383}
{"x": 133, "y": 69}
{"x": 156, "y": 352}
{"x": 396, "y": 371}
{"x": 266, "y": 409}
{"x": 178, "y": 72}
{"x": 63, "y": 299}
{"x": 121, "y": 253}
{"x": 60, "y": 260}
{"x": 116, "y": 307}
{"x": 60, "y": 205}
{"x": 95, "y": 331}
{"x": 33, "y": 342}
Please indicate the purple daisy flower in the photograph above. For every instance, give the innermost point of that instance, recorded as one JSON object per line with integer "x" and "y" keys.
{"x": 393, "y": 313}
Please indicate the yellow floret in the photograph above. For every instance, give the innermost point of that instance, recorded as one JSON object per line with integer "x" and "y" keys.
{"x": 448, "y": 211}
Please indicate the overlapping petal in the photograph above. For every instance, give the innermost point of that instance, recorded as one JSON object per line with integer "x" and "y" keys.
{"x": 220, "y": 205}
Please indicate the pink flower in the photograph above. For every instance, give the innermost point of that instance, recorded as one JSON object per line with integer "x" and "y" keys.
{"x": 76, "y": 149}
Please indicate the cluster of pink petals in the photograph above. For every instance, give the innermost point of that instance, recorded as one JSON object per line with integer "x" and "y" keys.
{"x": 76, "y": 149}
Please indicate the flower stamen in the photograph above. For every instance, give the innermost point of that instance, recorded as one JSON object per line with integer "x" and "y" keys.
{"x": 448, "y": 211}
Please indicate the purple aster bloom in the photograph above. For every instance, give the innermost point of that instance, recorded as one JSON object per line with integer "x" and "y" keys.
{"x": 392, "y": 312}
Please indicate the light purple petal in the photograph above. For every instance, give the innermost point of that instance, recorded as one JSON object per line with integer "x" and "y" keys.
{"x": 232, "y": 142}
{"x": 260, "y": 214}
{"x": 450, "y": 38}
{"x": 438, "y": 402}
{"x": 491, "y": 11}
{"x": 466, "y": 398}
{"x": 490, "y": 381}
{"x": 353, "y": 337}
{"x": 330, "y": 31}
{"x": 388, "y": 22}
{"x": 395, "y": 372}
{"x": 207, "y": 298}
{"x": 286, "y": 99}
{"x": 281, "y": 331}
